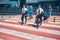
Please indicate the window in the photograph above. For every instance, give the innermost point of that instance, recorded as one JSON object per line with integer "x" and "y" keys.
{"x": 13, "y": 0}
{"x": 32, "y": 1}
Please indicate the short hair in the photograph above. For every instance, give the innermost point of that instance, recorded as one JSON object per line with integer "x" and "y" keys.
{"x": 25, "y": 5}
{"x": 39, "y": 5}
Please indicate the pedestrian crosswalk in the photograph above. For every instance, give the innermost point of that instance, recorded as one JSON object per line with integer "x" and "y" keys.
{"x": 13, "y": 30}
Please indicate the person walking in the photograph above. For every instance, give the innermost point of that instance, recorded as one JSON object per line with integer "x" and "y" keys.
{"x": 30, "y": 12}
{"x": 24, "y": 14}
{"x": 40, "y": 12}
{"x": 49, "y": 11}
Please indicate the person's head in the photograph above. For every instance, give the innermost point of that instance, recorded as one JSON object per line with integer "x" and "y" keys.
{"x": 24, "y": 6}
{"x": 39, "y": 6}
{"x": 30, "y": 6}
{"x": 50, "y": 6}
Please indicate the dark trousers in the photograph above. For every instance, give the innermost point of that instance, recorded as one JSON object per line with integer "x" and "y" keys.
{"x": 24, "y": 16}
{"x": 39, "y": 19}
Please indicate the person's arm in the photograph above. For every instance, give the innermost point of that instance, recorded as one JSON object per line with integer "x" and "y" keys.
{"x": 37, "y": 11}
{"x": 42, "y": 10}
{"x": 50, "y": 11}
{"x": 21, "y": 13}
{"x": 22, "y": 10}
{"x": 32, "y": 10}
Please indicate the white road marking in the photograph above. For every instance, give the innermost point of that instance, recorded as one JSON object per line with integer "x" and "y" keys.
{"x": 32, "y": 28}
{"x": 10, "y": 21}
{"x": 24, "y": 35}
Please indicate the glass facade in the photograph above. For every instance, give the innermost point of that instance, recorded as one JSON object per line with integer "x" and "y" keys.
{"x": 32, "y": 1}
{"x": 16, "y": 5}
{"x": 35, "y": 1}
{"x": 4, "y": 1}
{"x": 13, "y": 0}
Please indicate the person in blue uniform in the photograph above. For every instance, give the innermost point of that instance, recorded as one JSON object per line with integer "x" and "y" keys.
{"x": 49, "y": 11}
{"x": 30, "y": 12}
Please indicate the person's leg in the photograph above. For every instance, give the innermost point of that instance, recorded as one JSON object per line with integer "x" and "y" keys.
{"x": 37, "y": 21}
{"x": 40, "y": 20}
{"x": 22, "y": 18}
{"x": 30, "y": 15}
{"x": 25, "y": 19}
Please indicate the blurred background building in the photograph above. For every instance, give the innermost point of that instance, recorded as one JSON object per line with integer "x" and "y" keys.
{"x": 14, "y": 6}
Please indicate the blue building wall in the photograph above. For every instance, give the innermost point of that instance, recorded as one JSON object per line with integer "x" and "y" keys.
{"x": 4, "y": 1}
{"x": 34, "y": 1}
{"x": 11, "y": 9}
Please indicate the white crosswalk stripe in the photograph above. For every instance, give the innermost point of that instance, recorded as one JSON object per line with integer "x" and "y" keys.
{"x": 30, "y": 28}
{"x": 46, "y": 25}
{"x": 10, "y": 20}
{"x": 24, "y": 35}
{"x": 27, "y": 35}
{"x": 1, "y": 39}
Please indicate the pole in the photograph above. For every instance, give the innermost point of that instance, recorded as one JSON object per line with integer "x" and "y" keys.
{"x": 18, "y": 2}
{"x": 54, "y": 19}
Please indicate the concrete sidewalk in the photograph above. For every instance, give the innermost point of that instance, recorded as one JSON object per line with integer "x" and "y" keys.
{"x": 7, "y": 16}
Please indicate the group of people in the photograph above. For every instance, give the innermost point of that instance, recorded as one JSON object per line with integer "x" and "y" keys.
{"x": 40, "y": 13}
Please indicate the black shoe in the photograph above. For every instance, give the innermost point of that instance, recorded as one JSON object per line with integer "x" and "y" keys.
{"x": 25, "y": 22}
{"x": 37, "y": 26}
{"x": 40, "y": 23}
{"x": 22, "y": 23}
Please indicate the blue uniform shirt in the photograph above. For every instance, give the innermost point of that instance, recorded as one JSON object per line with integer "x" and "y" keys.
{"x": 48, "y": 13}
{"x": 30, "y": 11}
